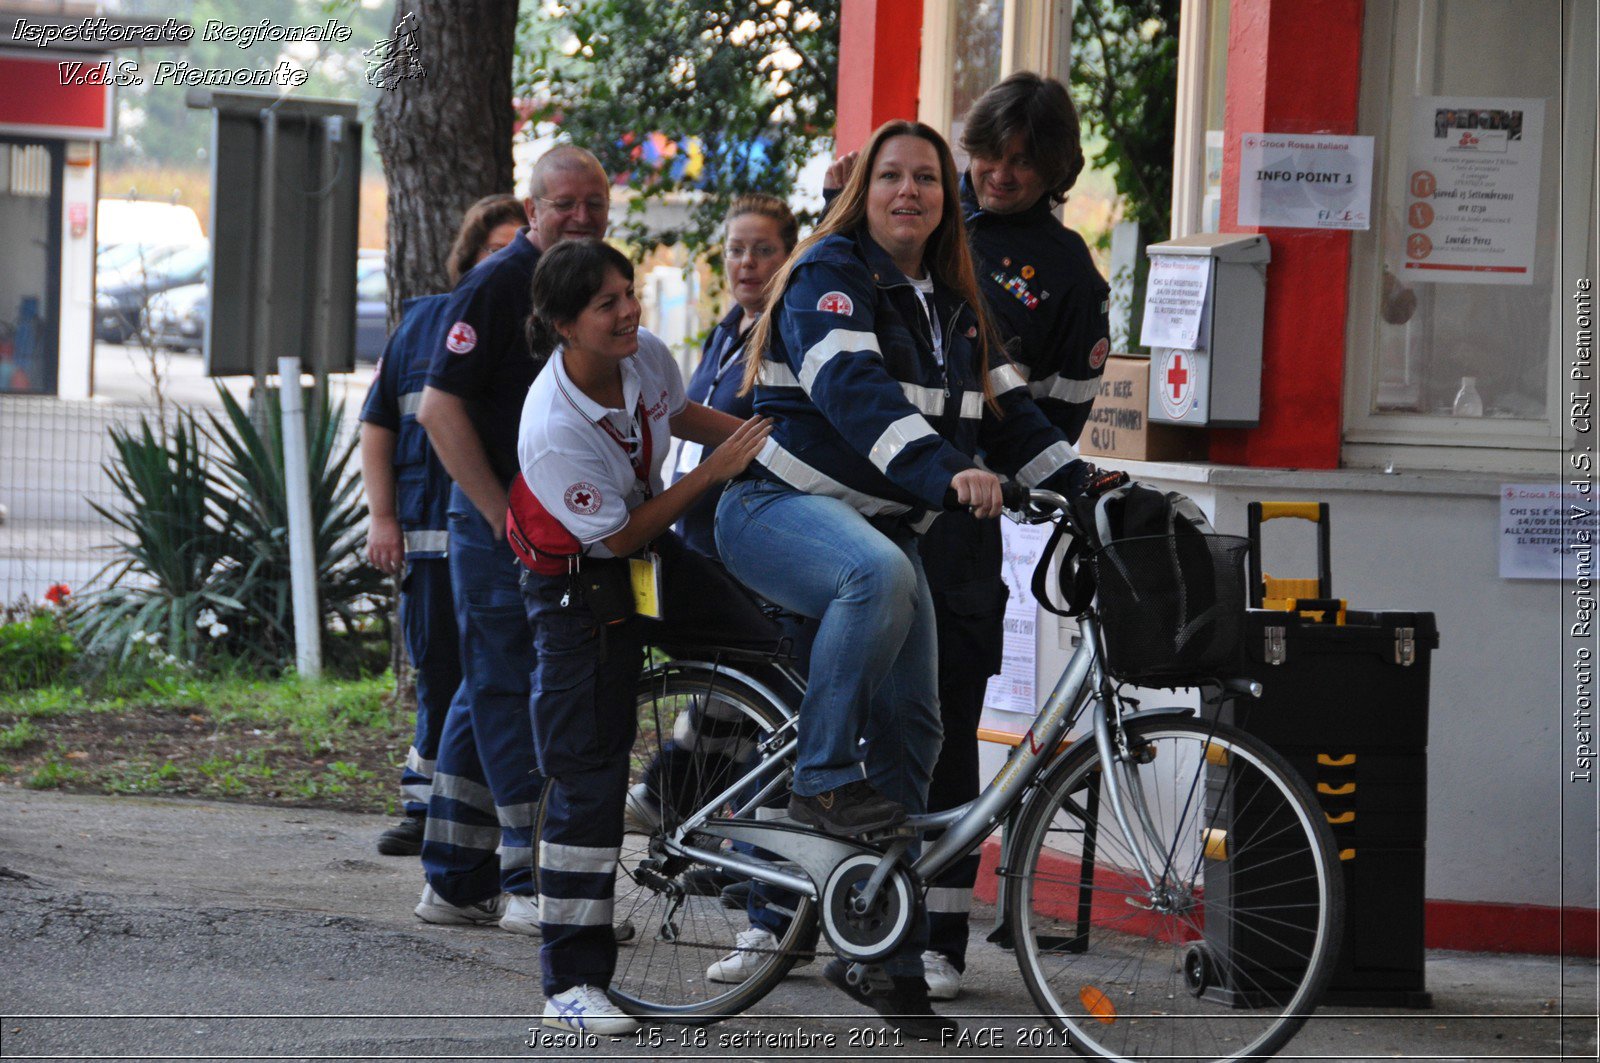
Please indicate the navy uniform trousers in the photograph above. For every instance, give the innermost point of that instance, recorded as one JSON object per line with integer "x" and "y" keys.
{"x": 962, "y": 556}
{"x": 584, "y": 723}
{"x": 486, "y": 785}
{"x": 428, "y": 621}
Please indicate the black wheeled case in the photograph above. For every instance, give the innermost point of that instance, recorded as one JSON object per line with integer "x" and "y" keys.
{"x": 1347, "y": 705}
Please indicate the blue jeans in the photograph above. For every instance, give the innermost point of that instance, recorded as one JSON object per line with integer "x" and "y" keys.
{"x": 874, "y": 662}
{"x": 871, "y": 705}
{"x": 486, "y": 783}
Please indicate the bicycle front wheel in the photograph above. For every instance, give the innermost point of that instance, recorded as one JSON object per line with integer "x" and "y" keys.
{"x": 698, "y": 734}
{"x": 1205, "y": 930}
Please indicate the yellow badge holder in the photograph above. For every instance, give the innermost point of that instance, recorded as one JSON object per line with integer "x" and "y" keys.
{"x": 645, "y": 575}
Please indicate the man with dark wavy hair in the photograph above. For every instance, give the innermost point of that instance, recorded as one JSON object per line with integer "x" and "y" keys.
{"x": 1049, "y": 303}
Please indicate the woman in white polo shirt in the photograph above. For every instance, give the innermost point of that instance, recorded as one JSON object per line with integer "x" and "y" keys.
{"x": 595, "y": 429}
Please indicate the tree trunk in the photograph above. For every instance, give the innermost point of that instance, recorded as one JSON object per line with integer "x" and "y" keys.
{"x": 445, "y": 140}
{"x": 445, "y": 137}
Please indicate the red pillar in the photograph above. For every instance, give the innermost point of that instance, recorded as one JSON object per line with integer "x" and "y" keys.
{"x": 1294, "y": 66}
{"x": 879, "y": 52}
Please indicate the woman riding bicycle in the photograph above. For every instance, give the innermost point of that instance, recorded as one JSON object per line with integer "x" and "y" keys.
{"x": 876, "y": 365}
{"x": 595, "y": 431}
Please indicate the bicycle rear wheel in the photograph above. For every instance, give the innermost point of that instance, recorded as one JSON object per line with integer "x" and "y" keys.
{"x": 1227, "y": 955}
{"x": 678, "y": 934}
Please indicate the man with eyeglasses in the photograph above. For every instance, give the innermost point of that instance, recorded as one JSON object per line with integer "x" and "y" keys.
{"x": 485, "y": 784}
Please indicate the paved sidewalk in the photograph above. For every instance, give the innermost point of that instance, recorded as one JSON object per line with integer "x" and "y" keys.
{"x": 134, "y": 928}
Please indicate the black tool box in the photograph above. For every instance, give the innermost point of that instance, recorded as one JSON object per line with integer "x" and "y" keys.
{"x": 1345, "y": 699}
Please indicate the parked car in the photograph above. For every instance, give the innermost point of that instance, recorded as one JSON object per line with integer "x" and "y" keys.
{"x": 120, "y": 298}
{"x": 120, "y": 257}
{"x": 141, "y": 221}
{"x": 176, "y": 318}
{"x": 372, "y": 307}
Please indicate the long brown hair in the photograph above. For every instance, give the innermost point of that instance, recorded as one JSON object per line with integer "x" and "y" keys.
{"x": 481, "y": 219}
{"x": 946, "y": 255}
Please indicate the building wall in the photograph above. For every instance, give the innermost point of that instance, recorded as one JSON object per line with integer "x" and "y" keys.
{"x": 1504, "y": 827}
{"x": 73, "y": 374}
{"x": 1509, "y": 842}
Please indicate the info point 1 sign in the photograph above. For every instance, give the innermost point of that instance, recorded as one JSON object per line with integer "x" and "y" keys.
{"x": 1316, "y": 181}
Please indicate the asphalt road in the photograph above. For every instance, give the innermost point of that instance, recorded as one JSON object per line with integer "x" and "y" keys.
{"x": 135, "y": 928}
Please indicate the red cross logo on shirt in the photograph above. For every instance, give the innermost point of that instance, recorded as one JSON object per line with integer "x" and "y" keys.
{"x": 1177, "y": 376}
{"x": 583, "y": 498}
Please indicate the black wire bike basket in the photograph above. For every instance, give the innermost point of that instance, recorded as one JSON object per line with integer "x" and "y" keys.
{"x": 1172, "y": 606}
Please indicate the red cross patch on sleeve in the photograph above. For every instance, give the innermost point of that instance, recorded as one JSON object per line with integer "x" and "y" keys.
{"x": 583, "y": 499}
{"x": 463, "y": 337}
{"x": 1097, "y": 357}
{"x": 836, "y": 303}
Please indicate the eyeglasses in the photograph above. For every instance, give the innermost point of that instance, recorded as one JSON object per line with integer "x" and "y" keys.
{"x": 595, "y": 205}
{"x": 759, "y": 252}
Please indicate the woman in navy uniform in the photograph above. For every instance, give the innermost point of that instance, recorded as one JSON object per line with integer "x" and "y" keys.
{"x": 408, "y": 495}
{"x": 876, "y": 364}
{"x": 595, "y": 430}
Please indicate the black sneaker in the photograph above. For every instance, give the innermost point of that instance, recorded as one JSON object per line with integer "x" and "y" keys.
{"x": 852, "y": 809}
{"x": 404, "y": 838}
{"x": 902, "y": 1001}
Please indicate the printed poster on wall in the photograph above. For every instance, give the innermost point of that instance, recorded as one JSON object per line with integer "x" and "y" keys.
{"x": 1541, "y": 525}
{"x": 1300, "y": 181}
{"x": 1472, "y": 190}
{"x": 1014, "y": 690}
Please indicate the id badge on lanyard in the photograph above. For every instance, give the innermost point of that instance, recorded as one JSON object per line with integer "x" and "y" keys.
{"x": 644, "y": 573}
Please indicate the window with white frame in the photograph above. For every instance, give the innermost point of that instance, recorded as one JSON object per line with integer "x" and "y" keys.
{"x": 1479, "y": 109}
{"x": 1202, "y": 92}
{"x": 969, "y": 45}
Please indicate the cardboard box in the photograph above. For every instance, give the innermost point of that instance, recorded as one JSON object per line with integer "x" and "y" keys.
{"x": 1118, "y": 426}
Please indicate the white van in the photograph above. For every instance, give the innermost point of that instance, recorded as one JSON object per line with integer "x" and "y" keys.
{"x": 140, "y": 221}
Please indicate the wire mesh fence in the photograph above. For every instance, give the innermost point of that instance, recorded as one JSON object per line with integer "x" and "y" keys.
{"x": 54, "y": 455}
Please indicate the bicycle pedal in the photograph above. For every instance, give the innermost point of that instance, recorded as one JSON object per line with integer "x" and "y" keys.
{"x": 888, "y": 836}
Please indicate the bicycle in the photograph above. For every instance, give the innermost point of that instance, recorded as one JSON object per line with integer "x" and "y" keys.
{"x": 1170, "y": 885}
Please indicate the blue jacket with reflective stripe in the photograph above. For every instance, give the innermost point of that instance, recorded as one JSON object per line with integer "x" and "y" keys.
{"x": 864, "y": 410}
{"x": 1048, "y": 301}
{"x": 422, "y": 487}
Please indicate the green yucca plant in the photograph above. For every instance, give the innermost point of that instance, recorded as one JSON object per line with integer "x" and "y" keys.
{"x": 171, "y": 546}
{"x": 204, "y": 565}
{"x": 250, "y": 465}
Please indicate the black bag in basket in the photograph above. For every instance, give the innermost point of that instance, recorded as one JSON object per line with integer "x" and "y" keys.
{"x": 1171, "y": 590}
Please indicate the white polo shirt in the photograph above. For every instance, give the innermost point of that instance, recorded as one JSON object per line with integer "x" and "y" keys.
{"x": 573, "y": 466}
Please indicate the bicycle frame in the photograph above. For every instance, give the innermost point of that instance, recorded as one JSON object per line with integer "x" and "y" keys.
{"x": 964, "y": 827}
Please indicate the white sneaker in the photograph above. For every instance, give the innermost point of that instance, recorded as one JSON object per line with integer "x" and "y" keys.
{"x": 586, "y": 1008}
{"x": 944, "y": 981}
{"x": 522, "y": 915}
{"x": 435, "y": 909}
{"x": 640, "y": 812}
{"x": 747, "y": 957}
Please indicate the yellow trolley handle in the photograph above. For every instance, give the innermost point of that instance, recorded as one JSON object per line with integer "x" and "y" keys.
{"x": 1316, "y": 513}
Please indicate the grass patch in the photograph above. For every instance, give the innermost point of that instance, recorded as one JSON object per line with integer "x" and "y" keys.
{"x": 333, "y": 743}
{"x": 18, "y": 735}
